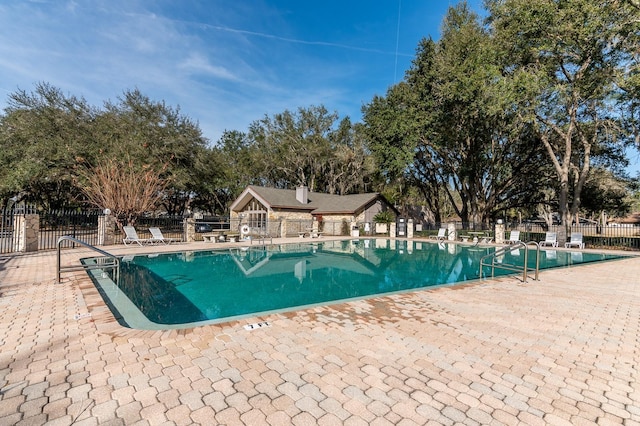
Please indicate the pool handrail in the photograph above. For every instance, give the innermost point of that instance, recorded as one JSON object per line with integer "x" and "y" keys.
{"x": 515, "y": 268}
{"x": 60, "y": 268}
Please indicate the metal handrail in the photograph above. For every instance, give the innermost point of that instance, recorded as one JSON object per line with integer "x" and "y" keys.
{"x": 507, "y": 249}
{"x": 60, "y": 269}
{"x": 261, "y": 238}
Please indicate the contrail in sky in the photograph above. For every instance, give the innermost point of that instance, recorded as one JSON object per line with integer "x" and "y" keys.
{"x": 298, "y": 41}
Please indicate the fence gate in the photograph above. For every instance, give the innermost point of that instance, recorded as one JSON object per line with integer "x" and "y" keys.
{"x": 6, "y": 230}
{"x": 54, "y": 224}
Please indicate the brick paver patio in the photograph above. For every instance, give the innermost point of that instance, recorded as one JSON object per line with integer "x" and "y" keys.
{"x": 564, "y": 350}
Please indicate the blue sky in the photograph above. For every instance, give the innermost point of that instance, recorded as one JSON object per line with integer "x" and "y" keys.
{"x": 226, "y": 63}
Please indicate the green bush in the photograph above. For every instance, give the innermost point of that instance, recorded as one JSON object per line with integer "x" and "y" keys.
{"x": 384, "y": 217}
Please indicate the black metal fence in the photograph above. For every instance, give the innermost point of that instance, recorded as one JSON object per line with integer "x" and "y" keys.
{"x": 625, "y": 237}
{"x": 171, "y": 226}
{"x": 6, "y": 230}
{"x": 84, "y": 226}
{"x": 54, "y": 224}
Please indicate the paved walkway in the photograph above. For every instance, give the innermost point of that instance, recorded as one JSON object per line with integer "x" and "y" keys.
{"x": 561, "y": 351}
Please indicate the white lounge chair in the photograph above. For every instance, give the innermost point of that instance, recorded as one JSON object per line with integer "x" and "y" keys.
{"x": 550, "y": 239}
{"x": 514, "y": 237}
{"x": 132, "y": 237}
{"x": 157, "y": 237}
{"x": 442, "y": 234}
{"x": 576, "y": 241}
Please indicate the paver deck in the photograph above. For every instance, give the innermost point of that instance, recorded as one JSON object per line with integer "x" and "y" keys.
{"x": 564, "y": 350}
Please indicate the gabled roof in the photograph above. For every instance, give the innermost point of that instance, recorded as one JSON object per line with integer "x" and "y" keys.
{"x": 318, "y": 203}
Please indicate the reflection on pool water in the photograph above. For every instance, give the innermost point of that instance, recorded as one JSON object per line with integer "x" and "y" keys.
{"x": 178, "y": 290}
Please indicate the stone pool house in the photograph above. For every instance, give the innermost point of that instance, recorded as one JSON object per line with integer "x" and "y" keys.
{"x": 297, "y": 209}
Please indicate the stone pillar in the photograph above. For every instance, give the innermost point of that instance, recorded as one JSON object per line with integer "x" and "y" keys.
{"x": 283, "y": 227}
{"x": 499, "y": 232}
{"x": 26, "y": 228}
{"x": 189, "y": 229}
{"x": 410, "y": 228}
{"x": 451, "y": 231}
{"x": 561, "y": 235}
{"x": 107, "y": 230}
{"x": 392, "y": 229}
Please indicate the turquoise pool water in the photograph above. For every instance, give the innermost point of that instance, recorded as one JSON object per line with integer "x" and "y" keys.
{"x": 177, "y": 290}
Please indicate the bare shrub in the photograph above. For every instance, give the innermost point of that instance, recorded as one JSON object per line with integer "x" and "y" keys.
{"x": 126, "y": 189}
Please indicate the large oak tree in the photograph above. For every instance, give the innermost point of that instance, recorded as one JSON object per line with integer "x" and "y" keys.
{"x": 570, "y": 57}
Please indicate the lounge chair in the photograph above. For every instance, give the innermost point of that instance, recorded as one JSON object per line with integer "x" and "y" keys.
{"x": 132, "y": 237}
{"x": 442, "y": 234}
{"x": 550, "y": 239}
{"x": 157, "y": 237}
{"x": 514, "y": 237}
{"x": 576, "y": 241}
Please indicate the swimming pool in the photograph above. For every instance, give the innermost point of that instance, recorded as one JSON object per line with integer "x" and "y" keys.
{"x": 180, "y": 290}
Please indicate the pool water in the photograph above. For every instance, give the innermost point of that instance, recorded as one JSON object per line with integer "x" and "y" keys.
{"x": 177, "y": 290}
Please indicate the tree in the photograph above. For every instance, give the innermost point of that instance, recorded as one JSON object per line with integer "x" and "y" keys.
{"x": 291, "y": 146}
{"x": 222, "y": 172}
{"x": 308, "y": 148}
{"x": 125, "y": 188}
{"x": 606, "y": 195}
{"x": 153, "y": 134}
{"x": 348, "y": 168}
{"x": 567, "y": 54}
{"x": 448, "y": 127}
{"x": 45, "y": 136}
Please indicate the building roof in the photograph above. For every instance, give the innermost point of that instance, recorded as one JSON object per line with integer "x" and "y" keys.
{"x": 318, "y": 203}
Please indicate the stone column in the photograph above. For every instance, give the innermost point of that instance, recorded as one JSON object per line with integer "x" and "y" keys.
{"x": 392, "y": 229}
{"x": 26, "y": 228}
{"x": 410, "y": 228}
{"x": 107, "y": 230}
{"x": 561, "y": 235}
{"x": 451, "y": 231}
{"x": 189, "y": 229}
{"x": 499, "y": 232}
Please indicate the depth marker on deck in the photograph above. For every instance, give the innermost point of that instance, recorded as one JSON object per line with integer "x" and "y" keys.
{"x": 257, "y": 325}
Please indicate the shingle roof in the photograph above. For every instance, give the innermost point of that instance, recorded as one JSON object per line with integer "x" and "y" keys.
{"x": 318, "y": 203}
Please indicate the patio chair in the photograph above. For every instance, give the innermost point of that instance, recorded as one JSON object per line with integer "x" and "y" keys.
{"x": 550, "y": 239}
{"x": 132, "y": 237}
{"x": 442, "y": 234}
{"x": 576, "y": 241}
{"x": 157, "y": 237}
{"x": 514, "y": 237}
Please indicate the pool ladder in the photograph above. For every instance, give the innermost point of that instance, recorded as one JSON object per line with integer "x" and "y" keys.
{"x": 111, "y": 260}
{"x": 261, "y": 238}
{"x": 491, "y": 260}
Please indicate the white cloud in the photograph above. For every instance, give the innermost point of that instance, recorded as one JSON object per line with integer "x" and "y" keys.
{"x": 197, "y": 63}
